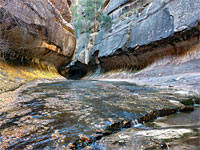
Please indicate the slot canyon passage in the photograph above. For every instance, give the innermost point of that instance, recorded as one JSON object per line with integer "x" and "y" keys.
{"x": 100, "y": 74}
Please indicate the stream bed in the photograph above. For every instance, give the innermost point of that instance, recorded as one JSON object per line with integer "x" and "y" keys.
{"x": 98, "y": 115}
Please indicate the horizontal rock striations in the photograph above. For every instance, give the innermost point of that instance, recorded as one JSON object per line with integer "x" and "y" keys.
{"x": 158, "y": 28}
{"x": 145, "y": 32}
{"x": 36, "y": 39}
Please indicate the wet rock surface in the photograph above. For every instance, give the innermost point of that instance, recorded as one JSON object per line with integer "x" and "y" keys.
{"x": 55, "y": 115}
{"x": 178, "y": 131}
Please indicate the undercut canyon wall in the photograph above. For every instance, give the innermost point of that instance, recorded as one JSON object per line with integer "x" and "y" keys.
{"x": 145, "y": 34}
{"x": 35, "y": 33}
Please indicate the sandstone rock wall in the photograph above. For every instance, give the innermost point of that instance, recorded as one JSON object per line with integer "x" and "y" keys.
{"x": 36, "y": 31}
{"x": 36, "y": 39}
{"x": 156, "y": 22}
{"x": 145, "y": 32}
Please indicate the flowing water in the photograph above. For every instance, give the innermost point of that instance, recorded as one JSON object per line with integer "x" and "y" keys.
{"x": 52, "y": 115}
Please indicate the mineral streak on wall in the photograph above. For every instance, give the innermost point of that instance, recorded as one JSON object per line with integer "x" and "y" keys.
{"x": 144, "y": 33}
{"x": 36, "y": 33}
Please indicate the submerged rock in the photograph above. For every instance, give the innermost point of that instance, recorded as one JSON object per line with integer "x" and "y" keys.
{"x": 178, "y": 131}
{"x": 79, "y": 113}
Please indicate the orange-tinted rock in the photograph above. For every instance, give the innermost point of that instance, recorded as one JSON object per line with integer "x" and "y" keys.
{"x": 36, "y": 31}
{"x": 63, "y": 7}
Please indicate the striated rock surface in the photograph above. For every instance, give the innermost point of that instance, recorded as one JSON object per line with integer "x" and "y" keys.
{"x": 145, "y": 33}
{"x": 36, "y": 39}
{"x": 37, "y": 31}
{"x": 148, "y": 30}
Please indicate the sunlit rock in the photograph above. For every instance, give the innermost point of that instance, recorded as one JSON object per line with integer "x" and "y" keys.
{"x": 36, "y": 31}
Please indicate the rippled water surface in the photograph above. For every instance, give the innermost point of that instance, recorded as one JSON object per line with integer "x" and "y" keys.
{"x": 51, "y": 115}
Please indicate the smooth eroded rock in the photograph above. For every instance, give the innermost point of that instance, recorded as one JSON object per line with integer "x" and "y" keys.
{"x": 36, "y": 31}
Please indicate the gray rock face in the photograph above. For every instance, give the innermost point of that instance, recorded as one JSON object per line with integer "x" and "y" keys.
{"x": 108, "y": 46}
{"x": 186, "y": 13}
{"x": 154, "y": 28}
{"x": 116, "y": 4}
{"x": 158, "y": 21}
{"x": 144, "y": 32}
{"x": 147, "y": 25}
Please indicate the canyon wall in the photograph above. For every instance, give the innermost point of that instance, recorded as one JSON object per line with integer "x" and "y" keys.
{"x": 35, "y": 33}
{"x": 37, "y": 30}
{"x": 145, "y": 33}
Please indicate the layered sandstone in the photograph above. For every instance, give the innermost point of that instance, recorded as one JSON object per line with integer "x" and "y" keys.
{"x": 148, "y": 31}
{"x": 37, "y": 31}
{"x": 144, "y": 33}
{"x": 36, "y": 39}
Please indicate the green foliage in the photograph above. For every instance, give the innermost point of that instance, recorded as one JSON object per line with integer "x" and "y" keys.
{"x": 104, "y": 20}
{"x": 78, "y": 24}
{"x": 91, "y": 8}
{"x": 88, "y": 13}
{"x": 77, "y": 18}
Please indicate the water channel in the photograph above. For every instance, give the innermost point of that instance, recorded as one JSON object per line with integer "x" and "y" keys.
{"x": 55, "y": 115}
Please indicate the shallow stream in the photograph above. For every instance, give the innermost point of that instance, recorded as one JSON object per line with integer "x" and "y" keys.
{"x": 56, "y": 115}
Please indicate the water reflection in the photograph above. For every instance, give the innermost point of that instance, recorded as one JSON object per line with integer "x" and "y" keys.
{"x": 51, "y": 115}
